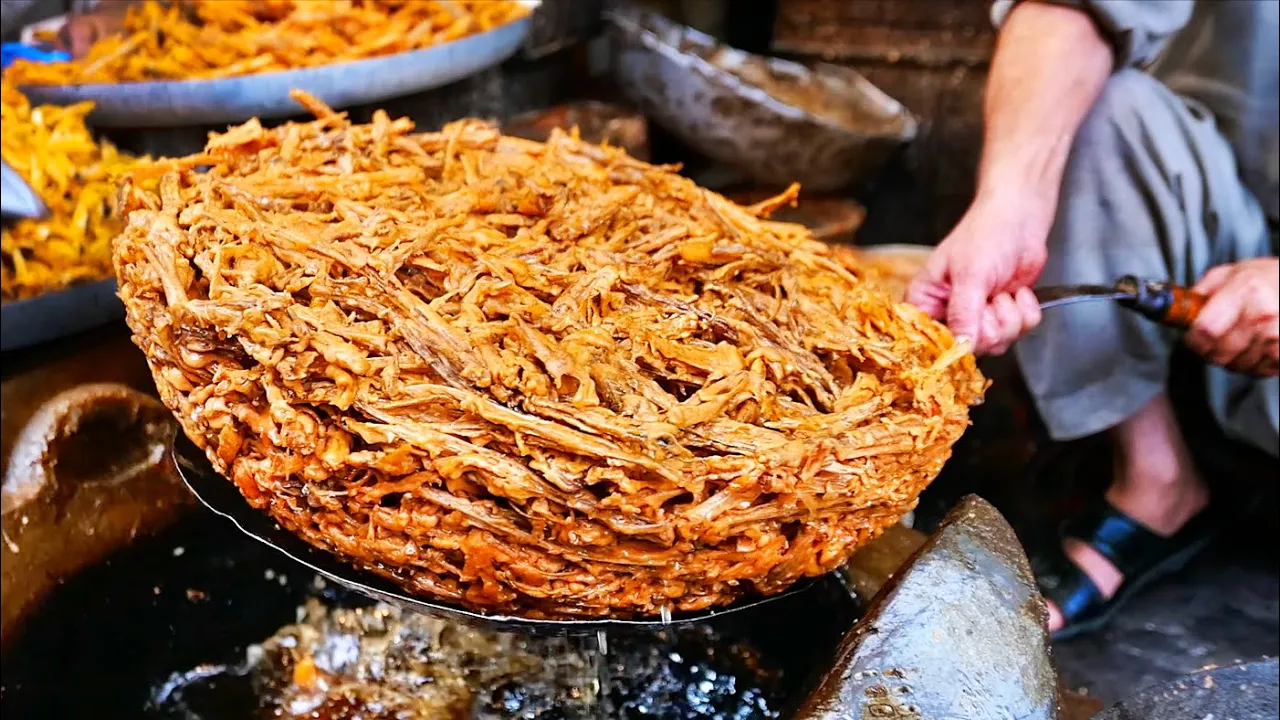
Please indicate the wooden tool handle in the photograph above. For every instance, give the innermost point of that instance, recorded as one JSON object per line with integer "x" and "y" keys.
{"x": 1184, "y": 307}
{"x": 1168, "y": 304}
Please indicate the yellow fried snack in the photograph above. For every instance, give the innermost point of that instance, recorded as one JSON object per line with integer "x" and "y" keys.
{"x": 532, "y": 378}
{"x": 226, "y": 38}
{"x": 51, "y": 148}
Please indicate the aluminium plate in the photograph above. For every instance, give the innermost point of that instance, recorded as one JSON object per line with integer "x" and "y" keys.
{"x": 179, "y": 103}
{"x": 55, "y": 315}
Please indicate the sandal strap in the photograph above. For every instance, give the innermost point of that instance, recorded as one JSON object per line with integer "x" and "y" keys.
{"x": 1069, "y": 589}
{"x": 1125, "y": 542}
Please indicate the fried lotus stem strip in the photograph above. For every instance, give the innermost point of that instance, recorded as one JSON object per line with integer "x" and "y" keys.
{"x": 543, "y": 379}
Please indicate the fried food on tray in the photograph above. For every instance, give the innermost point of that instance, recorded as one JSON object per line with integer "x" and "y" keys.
{"x": 50, "y": 147}
{"x": 224, "y": 38}
{"x": 545, "y": 379}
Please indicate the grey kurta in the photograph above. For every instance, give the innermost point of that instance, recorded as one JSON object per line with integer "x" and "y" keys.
{"x": 1166, "y": 184}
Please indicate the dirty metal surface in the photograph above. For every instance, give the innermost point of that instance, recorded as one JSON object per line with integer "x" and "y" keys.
{"x": 876, "y": 563}
{"x": 1250, "y": 691}
{"x": 774, "y": 120}
{"x": 958, "y": 634}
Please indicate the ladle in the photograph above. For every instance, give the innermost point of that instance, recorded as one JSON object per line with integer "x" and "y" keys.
{"x": 220, "y": 495}
{"x": 17, "y": 198}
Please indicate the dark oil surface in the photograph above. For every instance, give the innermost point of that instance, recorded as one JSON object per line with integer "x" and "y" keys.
{"x": 181, "y": 626}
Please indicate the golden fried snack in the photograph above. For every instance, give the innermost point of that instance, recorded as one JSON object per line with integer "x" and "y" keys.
{"x": 544, "y": 379}
{"x": 225, "y": 38}
{"x": 50, "y": 147}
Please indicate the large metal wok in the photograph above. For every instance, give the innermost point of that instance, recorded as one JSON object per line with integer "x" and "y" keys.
{"x": 222, "y": 497}
{"x": 113, "y": 579}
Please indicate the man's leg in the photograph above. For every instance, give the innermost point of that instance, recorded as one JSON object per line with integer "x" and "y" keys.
{"x": 1150, "y": 190}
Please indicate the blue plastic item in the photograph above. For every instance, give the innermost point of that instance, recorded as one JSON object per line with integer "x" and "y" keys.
{"x": 15, "y": 51}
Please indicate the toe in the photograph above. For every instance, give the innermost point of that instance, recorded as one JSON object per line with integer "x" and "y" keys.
{"x": 1055, "y": 617}
{"x": 1095, "y": 565}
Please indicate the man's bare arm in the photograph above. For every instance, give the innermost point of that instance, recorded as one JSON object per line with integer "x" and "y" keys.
{"x": 1049, "y": 66}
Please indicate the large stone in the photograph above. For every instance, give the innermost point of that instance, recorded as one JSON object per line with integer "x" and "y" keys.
{"x": 957, "y": 634}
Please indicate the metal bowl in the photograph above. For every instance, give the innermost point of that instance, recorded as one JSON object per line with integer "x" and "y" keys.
{"x": 777, "y": 121}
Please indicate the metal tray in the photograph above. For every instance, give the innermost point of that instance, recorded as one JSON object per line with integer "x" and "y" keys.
{"x": 175, "y": 103}
{"x": 36, "y": 320}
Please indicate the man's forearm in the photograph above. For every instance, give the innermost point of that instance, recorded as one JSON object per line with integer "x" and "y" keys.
{"x": 1049, "y": 66}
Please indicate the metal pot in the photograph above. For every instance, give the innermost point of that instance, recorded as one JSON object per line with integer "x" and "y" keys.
{"x": 775, "y": 120}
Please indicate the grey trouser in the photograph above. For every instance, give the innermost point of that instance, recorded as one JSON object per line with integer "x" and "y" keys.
{"x": 1151, "y": 189}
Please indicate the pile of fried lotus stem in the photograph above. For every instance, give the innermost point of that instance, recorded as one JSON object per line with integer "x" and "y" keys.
{"x": 546, "y": 380}
{"x": 52, "y": 149}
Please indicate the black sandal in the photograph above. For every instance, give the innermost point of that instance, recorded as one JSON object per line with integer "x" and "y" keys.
{"x": 1138, "y": 553}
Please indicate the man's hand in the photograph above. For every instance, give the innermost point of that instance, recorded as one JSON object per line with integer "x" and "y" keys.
{"x": 979, "y": 278}
{"x": 1239, "y": 327}
{"x": 1049, "y": 66}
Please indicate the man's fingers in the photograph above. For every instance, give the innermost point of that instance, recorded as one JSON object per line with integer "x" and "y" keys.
{"x": 1252, "y": 358}
{"x": 1219, "y": 315}
{"x": 1001, "y": 324}
{"x": 1006, "y": 318}
{"x": 929, "y": 289}
{"x": 1009, "y": 317}
{"x": 1231, "y": 348}
{"x": 928, "y": 296}
{"x": 964, "y": 310}
{"x": 77, "y": 36}
{"x": 1028, "y": 308}
{"x": 81, "y": 31}
{"x": 988, "y": 339}
{"x": 1261, "y": 356}
{"x": 1214, "y": 280}
{"x": 62, "y": 39}
{"x": 1269, "y": 365}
